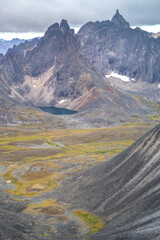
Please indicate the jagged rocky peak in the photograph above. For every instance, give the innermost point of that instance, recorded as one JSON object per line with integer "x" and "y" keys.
{"x": 51, "y": 30}
{"x": 65, "y": 28}
{"x": 62, "y": 27}
{"x": 119, "y": 20}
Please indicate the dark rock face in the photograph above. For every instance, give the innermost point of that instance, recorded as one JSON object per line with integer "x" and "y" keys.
{"x": 51, "y": 70}
{"x": 114, "y": 46}
{"x": 119, "y": 21}
{"x": 11, "y": 71}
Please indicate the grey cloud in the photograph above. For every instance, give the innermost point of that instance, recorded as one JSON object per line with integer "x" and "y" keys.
{"x": 37, "y": 15}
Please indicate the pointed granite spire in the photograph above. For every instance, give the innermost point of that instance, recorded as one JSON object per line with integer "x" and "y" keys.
{"x": 64, "y": 25}
{"x": 117, "y": 12}
{"x": 119, "y": 21}
{"x": 65, "y": 28}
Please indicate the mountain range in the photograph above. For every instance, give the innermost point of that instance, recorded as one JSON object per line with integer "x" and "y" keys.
{"x": 115, "y": 46}
{"x": 6, "y": 44}
{"x": 63, "y": 69}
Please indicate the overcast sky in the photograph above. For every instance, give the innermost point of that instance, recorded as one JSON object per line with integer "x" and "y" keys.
{"x": 36, "y": 15}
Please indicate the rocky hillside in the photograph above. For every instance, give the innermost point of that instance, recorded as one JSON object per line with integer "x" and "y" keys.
{"x": 11, "y": 71}
{"x": 124, "y": 191}
{"x": 114, "y": 46}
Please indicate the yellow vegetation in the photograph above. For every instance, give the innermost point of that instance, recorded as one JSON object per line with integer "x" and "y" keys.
{"x": 92, "y": 221}
{"x": 35, "y": 182}
{"x": 80, "y": 148}
{"x": 48, "y": 207}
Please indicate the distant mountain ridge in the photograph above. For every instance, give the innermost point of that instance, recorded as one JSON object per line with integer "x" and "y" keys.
{"x": 6, "y": 44}
{"x": 114, "y": 46}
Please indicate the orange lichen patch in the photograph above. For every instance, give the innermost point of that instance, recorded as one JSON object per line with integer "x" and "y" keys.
{"x": 36, "y": 187}
{"x": 113, "y": 91}
{"x": 88, "y": 97}
{"x": 51, "y": 210}
{"x": 48, "y": 207}
{"x": 38, "y": 171}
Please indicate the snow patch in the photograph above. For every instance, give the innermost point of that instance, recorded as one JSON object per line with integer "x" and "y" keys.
{"x": 34, "y": 86}
{"x": 122, "y": 77}
{"x": 158, "y": 85}
{"x": 8, "y": 181}
{"x": 62, "y": 101}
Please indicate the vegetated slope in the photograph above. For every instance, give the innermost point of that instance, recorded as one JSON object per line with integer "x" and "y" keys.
{"x": 143, "y": 89}
{"x": 124, "y": 191}
{"x": 13, "y": 113}
{"x": 114, "y": 46}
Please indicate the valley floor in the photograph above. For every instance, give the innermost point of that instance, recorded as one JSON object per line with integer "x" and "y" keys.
{"x": 33, "y": 163}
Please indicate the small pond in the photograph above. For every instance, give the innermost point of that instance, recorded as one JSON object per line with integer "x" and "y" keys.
{"x": 58, "y": 111}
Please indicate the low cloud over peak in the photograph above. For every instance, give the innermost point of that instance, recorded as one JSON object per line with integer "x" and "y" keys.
{"x": 37, "y": 15}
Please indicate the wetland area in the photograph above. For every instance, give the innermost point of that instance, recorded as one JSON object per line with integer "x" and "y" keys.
{"x": 33, "y": 163}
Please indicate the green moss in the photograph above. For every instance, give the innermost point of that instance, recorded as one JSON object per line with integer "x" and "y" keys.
{"x": 155, "y": 118}
{"x": 51, "y": 143}
{"x": 8, "y": 177}
{"x": 93, "y": 222}
{"x": 155, "y": 106}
